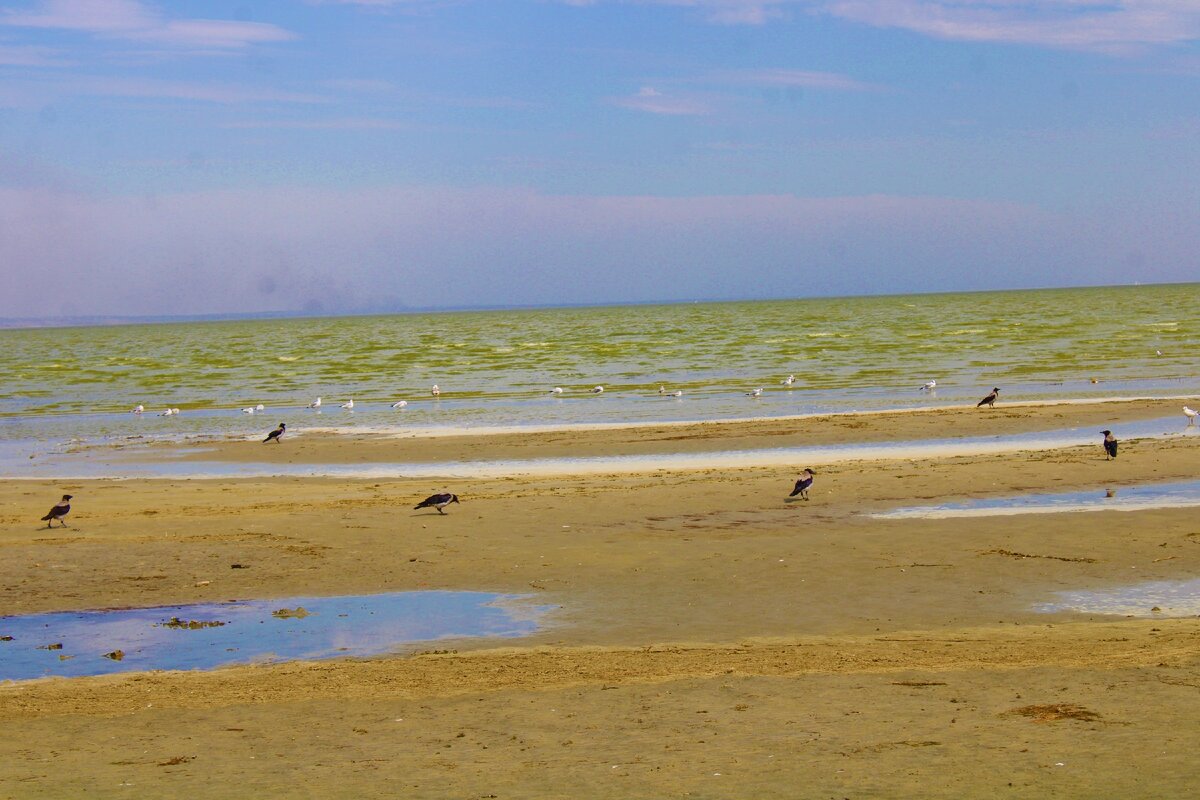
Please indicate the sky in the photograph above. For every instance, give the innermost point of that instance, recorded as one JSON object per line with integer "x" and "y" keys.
{"x": 350, "y": 156}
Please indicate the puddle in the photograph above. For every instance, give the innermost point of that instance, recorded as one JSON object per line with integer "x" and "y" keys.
{"x": 77, "y": 643}
{"x": 1181, "y": 494}
{"x": 1156, "y": 599}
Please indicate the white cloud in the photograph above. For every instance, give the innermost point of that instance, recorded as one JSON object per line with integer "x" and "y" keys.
{"x": 653, "y": 101}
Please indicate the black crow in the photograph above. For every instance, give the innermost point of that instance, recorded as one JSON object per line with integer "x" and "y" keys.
{"x": 60, "y": 510}
{"x": 990, "y": 400}
{"x": 1110, "y": 445}
{"x": 802, "y": 485}
{"x": 438, "y": 501}
{"x": 276, "y": 434}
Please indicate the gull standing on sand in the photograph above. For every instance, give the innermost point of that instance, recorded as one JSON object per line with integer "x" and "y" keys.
{"x": 348, "y": 405}
{"x": 1110, "y": 445}
{"x": 438, "y": 501}
{"x": 315, "y": 403}
{"x": 928, "y": 386}
{"x": 276, "y": 434}
{"x": 805, "y": 481}
{"x": 400, "y": 404}
{"x": 60, "y": 510}
{"x": 1191, "y": 414}
{"x": 990, "y": 400}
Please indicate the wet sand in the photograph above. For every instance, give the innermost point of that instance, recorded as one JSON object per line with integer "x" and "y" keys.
{"x": 713, "y": 638}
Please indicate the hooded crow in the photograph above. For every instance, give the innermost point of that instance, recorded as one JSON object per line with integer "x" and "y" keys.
{"x": 276, "y": 434}
{"x": 801, "y": 488}
{"x": 60, "y": 510}
{"x": 1110, "y": 445}
{"x": 990, "y": 400}
{"x": 438, "y": 501}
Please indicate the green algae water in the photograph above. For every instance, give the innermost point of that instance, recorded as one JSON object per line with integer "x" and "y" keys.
{"x": 497, "y": 368}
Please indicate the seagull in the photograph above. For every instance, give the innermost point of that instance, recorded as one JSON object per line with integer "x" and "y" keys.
{"x": 788, "y": 381}
{"x": 676, "y": 393}
{"x": 598, "y": 390}
{"x": 1110, "y": 445}
{"x": 168, "y": 412}
{"x": 556, "y": 390}
{"x": 400, "y": 404}
{"x": 805, "y": 481}
{"x": 139, "y": 408}
{"x": 248, "y": 410}
{"x": 435, "y": 391}
{"x": 260, "y": 407}
{"x": 438, "y": 501}
{"x": 174, "y": 411}
{"x": 276, "y": 434}
{"x": 990, "y": 400}
{"x": 315, "y": 403}
{"x": 662, "y": 390}
{"x": 755, "y": 393}
{"x": 928, "y": 386}
{"x": 1191, "y": 414}
{"x": 60, "y": 510}
{"x": 348, "y": 405}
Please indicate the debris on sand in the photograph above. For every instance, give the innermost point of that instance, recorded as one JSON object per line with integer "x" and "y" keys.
{"x": 115, "y": 655}
{"x": 290, "y": 613}
{"x": 1053, "y": 712}
{"x": 190, "y": 624}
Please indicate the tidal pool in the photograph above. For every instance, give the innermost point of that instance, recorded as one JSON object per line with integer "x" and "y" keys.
{"x": 1115, "y": 497}
{"x": 209, "y": 635}
{"x": 1153, "y": 599}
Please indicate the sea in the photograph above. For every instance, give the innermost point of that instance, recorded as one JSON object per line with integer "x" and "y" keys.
{"x": 497, "y": 369}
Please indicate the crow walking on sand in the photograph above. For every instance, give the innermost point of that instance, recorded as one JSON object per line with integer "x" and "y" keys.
{"x": 990, "y": 400}
{"x": 1110, "y": 445}
{"x": 438, "y": 501}
{"x": 276, "y": 434}
{"x": 805, "y": 481}
{"x": 60, "y": 510}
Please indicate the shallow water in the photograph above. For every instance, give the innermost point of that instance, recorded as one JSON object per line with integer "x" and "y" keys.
{"x": 1116, "y": 495}
{"x": 1154, "y": 599}
{"x": 252, "y": 631}
{"x": 497, "y": 367}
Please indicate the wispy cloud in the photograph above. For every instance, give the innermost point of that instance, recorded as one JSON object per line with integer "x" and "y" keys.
{"x": 795, "y": 78}
{"x": 652, "y": 101}
{"x": 29, "y": 56}
{"x": 135, "y": 21}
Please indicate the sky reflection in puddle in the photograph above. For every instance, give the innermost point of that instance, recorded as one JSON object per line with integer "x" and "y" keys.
{"x": 1180, "y": 494}
{"x": 332, "y": 627}
{"x": 1170, "y": 598}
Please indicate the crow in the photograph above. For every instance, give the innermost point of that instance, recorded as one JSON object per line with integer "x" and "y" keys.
{"x": 276, "y": 434}
{"x": 438, "y": 501}
{"x": 805, "y": 481}
{"x": 60, "y": 510}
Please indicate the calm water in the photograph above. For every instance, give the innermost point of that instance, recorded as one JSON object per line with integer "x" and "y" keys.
{"x": 496, "y": 368}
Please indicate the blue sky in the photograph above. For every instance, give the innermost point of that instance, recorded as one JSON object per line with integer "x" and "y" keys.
{"x": 282, "y": 155}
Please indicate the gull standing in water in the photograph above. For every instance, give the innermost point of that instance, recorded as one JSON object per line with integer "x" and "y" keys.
{"x": 756, "y": 393}
{"x": 435, "y": 391}
{"x": 315, "y": 403}
{"x": 1191, "y": 414}
{"x": 348, "y": 405}
{"x": 928, "y": 386}
{"x": 400, "y": 404}
{"x": 556, "y": 390}
{"x": 139, "y": 408}
{"x": 788, "y": 381}
{"x": 598, "y": 390}
{"x": 248, "y": 410}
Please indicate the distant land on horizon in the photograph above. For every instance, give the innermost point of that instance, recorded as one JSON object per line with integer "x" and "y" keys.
{"x": 100, "y": 320}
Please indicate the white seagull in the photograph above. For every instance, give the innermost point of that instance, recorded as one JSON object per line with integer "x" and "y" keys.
{"x": 139, "y": 408}
{"x": 556, "y": 390}
{"x": 435, "y": 391}
{"x": 598, "y": 390}
{"x": 788, "y": 381}
{"x": 1191, "y": 414}
{"x": 315, "y": 403}
{"x": 662, "y": 390}
{"x": 249, "y": 410}
{"x": 169, "y": 412}
{"x": 260, "y": 407}
{"x": 756, "y": 393}
{"x": 348, "y": 405}
{"x": 676, "y": 393}
{"x": 400, "y": 404}
{"x": 928, "y": 386}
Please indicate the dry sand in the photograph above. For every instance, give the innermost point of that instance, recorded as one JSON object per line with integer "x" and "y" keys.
{"x": 712, "y": 638}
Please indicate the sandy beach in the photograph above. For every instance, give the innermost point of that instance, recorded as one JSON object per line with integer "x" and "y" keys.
{"x": 709, "y": 637}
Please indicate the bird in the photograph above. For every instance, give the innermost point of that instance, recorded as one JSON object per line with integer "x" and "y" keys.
{"x": 676, "y": 393}
{"x": 805, "y": 481}
{"x": 788, "y": 381}
{"x": 928, "y": 386}
{"x": 438, "y": 501}
{"x": 990, "y": 400}
{"x": 1191, "y": 414}
{"x": 400, "y": 404}
{"x": 1110, "y": 445}
{"x": 139, "y": 408}
{"x": 276, "y": 434}
{"x": 168, "y": 412}
{"x": 260, "y": 407}
{"x": 556, "y": 390}
{"x": 755, "y": 393}
{"x": 598, "y": 390}
{"x": 435, "y": 391}
{"x": 248, "y": 410}
{"x": 60, "y": 510}
{"x": 348, "y": 405}
{"x": 662, "y": 390}
{"x": 315, "y": 403}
